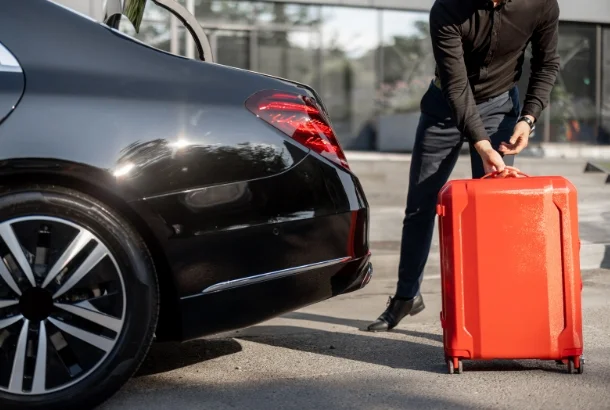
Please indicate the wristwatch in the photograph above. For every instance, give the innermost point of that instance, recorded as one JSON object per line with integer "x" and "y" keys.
{"x": 529, "y": 122}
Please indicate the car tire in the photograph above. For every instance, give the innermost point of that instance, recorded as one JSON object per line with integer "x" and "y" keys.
{"x": 92, "y": 338}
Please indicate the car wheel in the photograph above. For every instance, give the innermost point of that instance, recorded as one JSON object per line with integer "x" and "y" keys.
{"x": 78, "y": 300}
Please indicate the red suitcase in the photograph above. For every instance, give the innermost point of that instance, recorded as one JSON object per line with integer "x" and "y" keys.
{"x": 510, "y": 270}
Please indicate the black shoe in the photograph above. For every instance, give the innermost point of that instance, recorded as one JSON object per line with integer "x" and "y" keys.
{"x": 397, "y": 309}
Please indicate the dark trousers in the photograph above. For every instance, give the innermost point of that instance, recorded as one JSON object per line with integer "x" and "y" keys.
{"x": 437, "y": 147}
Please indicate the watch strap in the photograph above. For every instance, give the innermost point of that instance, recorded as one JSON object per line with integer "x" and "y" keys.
{"x": 528, "y": 121}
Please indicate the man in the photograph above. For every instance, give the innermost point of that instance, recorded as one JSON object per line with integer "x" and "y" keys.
{"x": 479, "y": 50}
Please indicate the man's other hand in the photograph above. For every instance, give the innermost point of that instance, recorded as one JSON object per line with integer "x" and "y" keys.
{"x": 492, "y": 160}
{"x": 519, "y": 140}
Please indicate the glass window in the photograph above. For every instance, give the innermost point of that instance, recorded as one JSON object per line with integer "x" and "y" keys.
{"x": 292, "y": 14}
{"x": 541, "y": 126}
{"x": 573, "y": 110}
{"x": 213, "y": 13}
{"x": 292, "y": 55}
{"x": 288, "y": 41}
{"x": 227, "y": 25}
{"x": 350, "y": 42}
{"x": 272, "y": 38}
{"x": 571, "y": 115}
{"x": 407, "y": 67}
{"x": 155, "y": 28}
{"x": 407, "y": 61}
{"x": 604, "y": 132}
{"x": 231, "y": 47}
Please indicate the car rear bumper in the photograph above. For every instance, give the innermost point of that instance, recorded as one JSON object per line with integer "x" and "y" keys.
{"x": 273, "y": 245}
{"x": 312, "y": 213}
{"x": 235, "y": 307}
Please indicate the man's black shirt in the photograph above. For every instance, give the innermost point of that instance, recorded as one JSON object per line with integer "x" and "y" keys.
{"x": 479, "y": 52}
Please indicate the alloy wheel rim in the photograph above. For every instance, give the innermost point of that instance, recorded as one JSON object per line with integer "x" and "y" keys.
{"x": 62, "y": 304}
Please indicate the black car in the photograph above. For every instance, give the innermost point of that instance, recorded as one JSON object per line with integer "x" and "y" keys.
{"x": 147, "y": 196}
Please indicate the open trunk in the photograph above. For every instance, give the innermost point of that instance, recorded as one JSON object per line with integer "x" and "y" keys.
{"x": 134, "y": 11}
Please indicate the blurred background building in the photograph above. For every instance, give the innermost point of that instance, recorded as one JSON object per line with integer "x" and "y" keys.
{"x": 371, "y": 60}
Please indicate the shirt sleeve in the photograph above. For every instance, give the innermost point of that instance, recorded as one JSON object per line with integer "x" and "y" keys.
{"x": 544, "y": 63}
{"x": 449, "y": 55}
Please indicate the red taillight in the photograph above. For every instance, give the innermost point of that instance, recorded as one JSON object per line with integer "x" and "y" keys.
{"x": 301, "y": 118}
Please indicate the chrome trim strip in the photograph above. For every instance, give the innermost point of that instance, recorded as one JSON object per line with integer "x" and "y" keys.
{"x": 250, "y": 280}
{"x": 10, "y": 69}
{"x": 8, "y": 62}
{"x": 368, "y": 276}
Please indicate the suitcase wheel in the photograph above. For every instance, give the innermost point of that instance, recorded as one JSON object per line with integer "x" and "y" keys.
{"x": 572, "y": 363}
{"x": 454, "y": 365}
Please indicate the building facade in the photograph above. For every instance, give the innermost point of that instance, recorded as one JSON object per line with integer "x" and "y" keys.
{"x": 371, "y": 60}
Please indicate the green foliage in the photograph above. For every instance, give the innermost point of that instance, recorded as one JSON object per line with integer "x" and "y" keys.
{"x": 562, "y": 110}
{"x": 408, "y": 66}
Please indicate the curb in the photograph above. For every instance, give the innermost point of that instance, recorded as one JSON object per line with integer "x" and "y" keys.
{"x": 540, "y": 150}
{"x": 594, "y": 256}
{"x": 571, "y": 150}
{"x": 377, "y": 156}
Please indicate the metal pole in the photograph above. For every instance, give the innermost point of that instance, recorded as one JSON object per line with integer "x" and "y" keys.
{"x": 174, "y": 44}
{"x": 214, "y": 42}
{"x": 598, "y": 81}
{"x": 253, "y": 63}
{"x": 320, "y": 62}
{"x": 96, "y": 9}
{"x": 546, "y": 136}
{"x": 190, "y": 45}
{"x": 381, "y": 54}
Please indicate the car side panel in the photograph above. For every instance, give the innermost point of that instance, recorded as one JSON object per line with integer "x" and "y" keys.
{"x": 204, "y": 315}
{"x": 11, "y": 88}
{"x": 249, "y": 228}
{"x": 231, "y": 196}
{"x": 160, "y": 123}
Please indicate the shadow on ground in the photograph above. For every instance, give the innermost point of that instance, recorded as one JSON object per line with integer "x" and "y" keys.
{"x": 436, "y": 351}
{"x": 356, "y": 392}
{"x": 165, "y": 357}
{"x": 419, "y": 351}
{"x": 403, "y": 353}
{"x": 267, "y": 384}
{"x": 358, "y": 324}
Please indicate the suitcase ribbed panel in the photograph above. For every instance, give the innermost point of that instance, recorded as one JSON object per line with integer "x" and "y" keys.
{"x": 510, "y": 268}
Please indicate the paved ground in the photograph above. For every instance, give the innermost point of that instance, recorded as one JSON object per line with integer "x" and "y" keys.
{"x": 318, "y": 358}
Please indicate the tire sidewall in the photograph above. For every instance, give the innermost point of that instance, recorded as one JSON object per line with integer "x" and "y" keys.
{"x": 140, "y": 284}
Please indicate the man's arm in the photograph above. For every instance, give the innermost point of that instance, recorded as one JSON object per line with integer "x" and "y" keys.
{"x": 449, "y": 56}
{"x": 544, "y": 63}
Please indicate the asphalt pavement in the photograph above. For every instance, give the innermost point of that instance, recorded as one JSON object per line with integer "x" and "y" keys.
{"x": 319, "y": 357}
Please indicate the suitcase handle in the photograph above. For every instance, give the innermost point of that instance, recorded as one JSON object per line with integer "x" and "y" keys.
{"x": 496, "y": 173}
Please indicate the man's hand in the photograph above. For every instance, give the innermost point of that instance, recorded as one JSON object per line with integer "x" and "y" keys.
{"x": 519, "y": 140}
{"x": 492, "y": 160}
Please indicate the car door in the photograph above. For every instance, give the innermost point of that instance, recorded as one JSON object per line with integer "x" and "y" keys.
{"x": 12, "y": 82}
